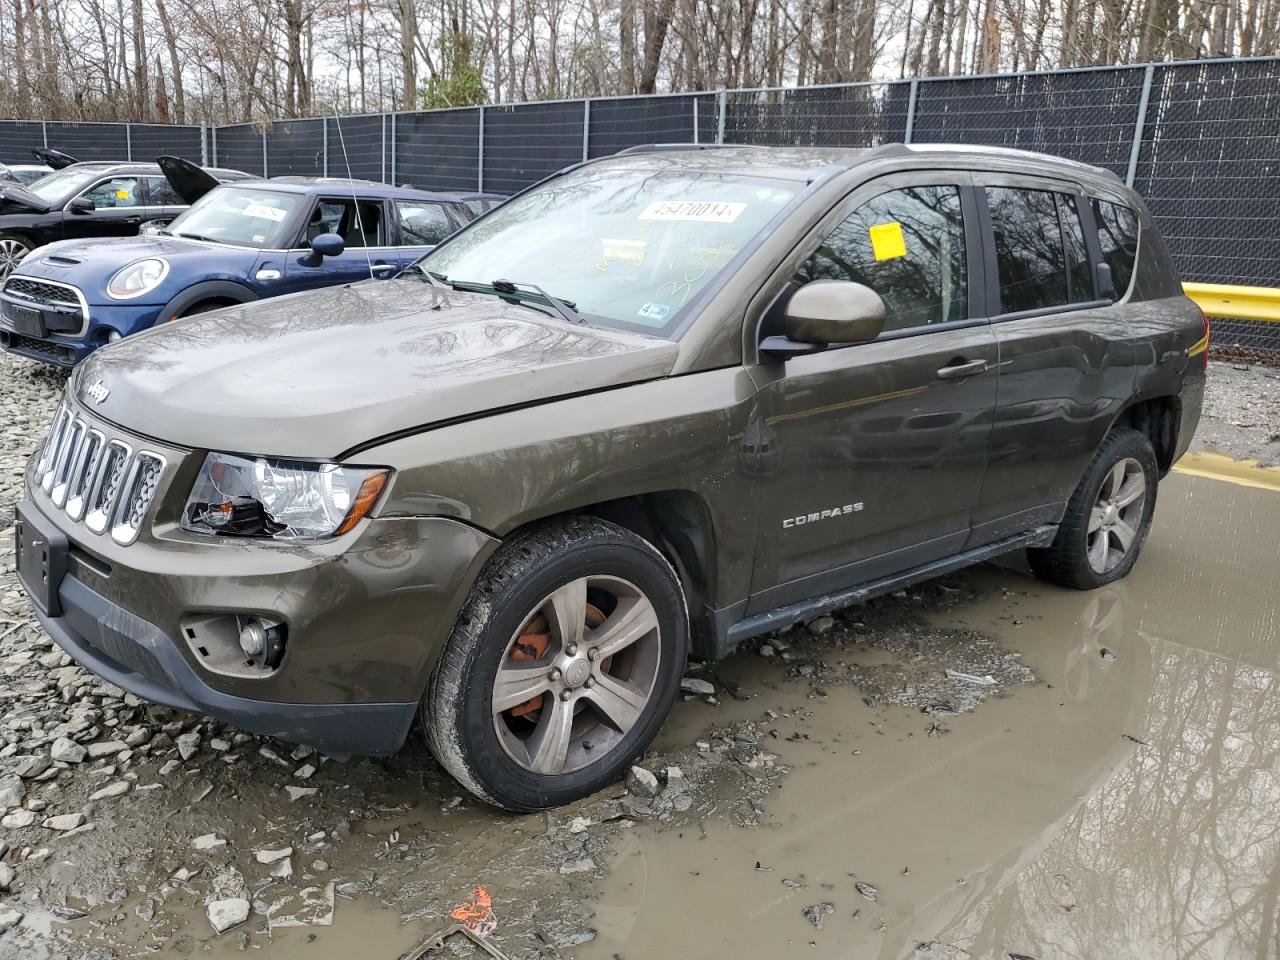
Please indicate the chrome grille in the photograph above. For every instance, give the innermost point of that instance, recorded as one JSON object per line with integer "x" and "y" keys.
{"x": 42, "y": 292}
{"x": 98, "y": 480}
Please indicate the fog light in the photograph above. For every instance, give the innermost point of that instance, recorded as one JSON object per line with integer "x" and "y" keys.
{"x": 253, "y": 638}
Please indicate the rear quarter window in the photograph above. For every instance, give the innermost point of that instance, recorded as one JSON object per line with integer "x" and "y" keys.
{"x": 1118, "y": 238}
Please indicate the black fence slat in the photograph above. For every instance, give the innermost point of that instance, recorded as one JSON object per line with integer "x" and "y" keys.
{"x": 438, "y": 149}
{"x": 296, "y": 148}
{"x": 524, "y": 143}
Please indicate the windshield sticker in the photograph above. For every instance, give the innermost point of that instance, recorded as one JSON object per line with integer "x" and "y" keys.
{"x": 259, "y": 238}
{"x": 263, "y": 212}
{"x": 657, "y": 312}
{"x": 697, "y": 211}
{"x": 887, "y": 241}
{"x": 630, "y": 252}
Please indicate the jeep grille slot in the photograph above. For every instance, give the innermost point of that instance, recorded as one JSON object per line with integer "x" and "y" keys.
{"x": 68, "y": 453}
{"x": 102, "y": 493}
{"x": 139, "y": 491}
{"x": 82, "y": 474}
{"x": 51, "y": 441}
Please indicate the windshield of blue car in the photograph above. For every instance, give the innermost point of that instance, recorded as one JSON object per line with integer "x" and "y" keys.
{"x": 628, "y": 248}
{"x": 54, "y": 188}
{"x": 244, "y": 217}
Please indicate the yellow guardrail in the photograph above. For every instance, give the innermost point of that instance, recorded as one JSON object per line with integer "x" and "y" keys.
{"x": 1236, "y": 303}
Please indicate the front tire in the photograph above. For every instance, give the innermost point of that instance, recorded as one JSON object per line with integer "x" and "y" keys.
{"x": 13, "y": 247}
{"x": 562, "y": 666}
{"x": 1107, "y": 517}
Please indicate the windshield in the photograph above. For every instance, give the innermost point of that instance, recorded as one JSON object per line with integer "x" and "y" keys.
{"x": 628, "y": 248}
{"x": 53, "y": 188}
{"x": 244, "y": 217}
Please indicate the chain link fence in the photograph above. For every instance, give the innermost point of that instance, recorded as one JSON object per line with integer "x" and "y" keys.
{"x": 1200, "y": 140}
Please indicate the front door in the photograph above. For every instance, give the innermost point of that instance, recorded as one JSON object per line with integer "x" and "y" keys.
{"x": 119, "y": 209}
{"x": 878, "y": 450}
{"x": 363, "y": 227}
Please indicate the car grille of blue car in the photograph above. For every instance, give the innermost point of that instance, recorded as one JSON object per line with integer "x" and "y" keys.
{"x": 42, "y": 292}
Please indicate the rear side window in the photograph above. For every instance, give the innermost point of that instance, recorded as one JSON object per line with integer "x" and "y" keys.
{"x": 908, "y": 246}
{"x": 1041, "y": 257}
{"x": 1118, "y": 236}
{"x": 423, "y": 224}
{"x": 161, "y": 193}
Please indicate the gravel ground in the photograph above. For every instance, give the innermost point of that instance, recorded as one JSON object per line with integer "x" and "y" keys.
{"x": 128, "y": 829}
{"x": 1242, "y": 413}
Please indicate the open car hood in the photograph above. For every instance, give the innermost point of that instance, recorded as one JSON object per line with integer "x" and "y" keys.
{"x": 54, "y": 159}
{"x": 15, "y": 198}
{"x": 315, "y": 374}
{"x": 188, "y": 180}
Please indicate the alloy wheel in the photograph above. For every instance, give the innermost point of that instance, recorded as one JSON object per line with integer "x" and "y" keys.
{"x": 1116, "y": 515}
{"x": 577, "y": 676}
{"x": 11, "y": 254}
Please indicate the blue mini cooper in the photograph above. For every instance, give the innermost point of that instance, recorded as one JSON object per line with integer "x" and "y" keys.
{"x": 238, "y": 242}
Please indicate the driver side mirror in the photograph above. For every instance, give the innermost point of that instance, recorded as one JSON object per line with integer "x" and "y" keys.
{"x": 325, "y": 245}
{"x": 81, "y": 205}
{"x": 823, "y": 312}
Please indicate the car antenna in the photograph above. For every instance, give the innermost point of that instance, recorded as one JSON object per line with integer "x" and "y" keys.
{"x": 364, "y": 240}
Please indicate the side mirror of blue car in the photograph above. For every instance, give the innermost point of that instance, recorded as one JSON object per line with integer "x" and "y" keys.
{"x": 325, "y": 245}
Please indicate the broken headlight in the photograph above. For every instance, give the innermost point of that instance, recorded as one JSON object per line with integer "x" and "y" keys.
{"x": 280, "y": 499}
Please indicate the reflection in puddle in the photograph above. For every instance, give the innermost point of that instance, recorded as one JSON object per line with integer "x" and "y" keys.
{"x": 1127, "y": 806}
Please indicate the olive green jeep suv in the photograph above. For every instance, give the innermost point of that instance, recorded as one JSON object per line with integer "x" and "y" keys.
{"x": 651, "y": 407}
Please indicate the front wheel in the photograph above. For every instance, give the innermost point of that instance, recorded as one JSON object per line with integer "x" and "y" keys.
{"x": 1107, "y": 517}
{"x": 13, "y": 249}
{"x": 561, "y": 667}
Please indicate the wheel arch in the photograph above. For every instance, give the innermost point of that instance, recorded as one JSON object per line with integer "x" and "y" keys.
{"x": 1159, "y": 419}
{"x": 227, "y": 290}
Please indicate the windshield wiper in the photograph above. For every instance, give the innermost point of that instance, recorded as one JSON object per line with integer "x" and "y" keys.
{"x": 197, "y": 236}
{"x": 435, "y": 279}
{"x": 517, "y": 290}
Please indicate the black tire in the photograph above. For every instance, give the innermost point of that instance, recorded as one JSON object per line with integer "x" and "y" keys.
{"x": 467, "y": 736}
{"x": 13, "y": 247}
{"x": 1067, "y": 561}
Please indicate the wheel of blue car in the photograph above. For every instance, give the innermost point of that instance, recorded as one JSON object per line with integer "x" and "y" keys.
{"x": 561, "y": 667}
{"x": 13, "y": 249}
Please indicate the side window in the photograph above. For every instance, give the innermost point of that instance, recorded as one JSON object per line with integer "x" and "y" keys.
{"x": 161, "y": 194}
{"x": 908, "y": 246}
{"x": 422, "y": 224}
{"x": 338, "y": 215}
{"x": 1079, "y": 270}
{"x": 1030, "y": 260}
{"x": 1118, "y": 235}
{"x": 116, "y": 192}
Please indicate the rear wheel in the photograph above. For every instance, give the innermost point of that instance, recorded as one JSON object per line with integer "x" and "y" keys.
{"x": 12, "y": 249}
{"x": 562, "y": 665}
{"x": 1107, "y": 518}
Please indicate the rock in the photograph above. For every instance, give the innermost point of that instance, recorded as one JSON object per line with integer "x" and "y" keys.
{"x": 766, "y": 650}
{"x": 67, "y": 821}
{"x": 210, "y": 841}
{"x": 226, "y": 914}
{"x": 579, "y": 825}
{"x": 107, "y": 748}
{"x": 936, "y": 950}
{"x": 146, "y": 910}
{"x": 11, "y": 792}
{"x": 583, "y": 865}
{"x": 188, "y": 744}
{"x": 814, "y": 913}
{"x": 30, "y": 767}
{"x": 7, "y": 876}
{"x": 283, "y": 869}
{"x": 697, "y": 686}
{"x": 677, "y": 782}
{"x": 642, "y": 783}
{"x": 117, "y": 789}
{"x": 169, "y": 767}
{"x": 866, "y": 890}
{"x": 305, "y": 772}
{"x": 9, "y": 917}
{"x": 271, "y": 856}
{"x": 18, "y": 819}
{"x": 67, "y": 751}
{"x": 297, "y": 793}
{"x": 220, "y": 745}
{"x": 821, "y": 625}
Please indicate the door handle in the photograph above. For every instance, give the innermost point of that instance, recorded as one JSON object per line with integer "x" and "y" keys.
{"x": 385, "y": 267}
{"x": 131, "y": 221}
{"x": 957, "y": 371}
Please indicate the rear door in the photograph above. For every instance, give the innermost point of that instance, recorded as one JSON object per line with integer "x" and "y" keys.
{"x": 875, "y": 452}
{"x": 422, "y": 225}
{"x": 164, "y": 201}
{"x": 364, "y": 227}
{"x": 1066, "y": 361}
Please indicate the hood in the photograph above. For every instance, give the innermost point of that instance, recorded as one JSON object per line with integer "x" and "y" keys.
{"x": 15, "y": 198}
{"x": 54, "y": 159}
{"x": 188, "y": 181}
{"x": 315, "y": 374}
{"x": 111, "y": 253}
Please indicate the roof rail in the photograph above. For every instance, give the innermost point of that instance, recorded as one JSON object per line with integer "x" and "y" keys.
{"x": 658, "y": 147}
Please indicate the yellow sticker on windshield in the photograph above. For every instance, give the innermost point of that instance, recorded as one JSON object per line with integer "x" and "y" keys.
{"x": 630, "y": 252}
{"x": 887, "y": 241}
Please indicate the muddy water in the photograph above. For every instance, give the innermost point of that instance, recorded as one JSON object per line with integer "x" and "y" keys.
{"x": 1126, "y": 806}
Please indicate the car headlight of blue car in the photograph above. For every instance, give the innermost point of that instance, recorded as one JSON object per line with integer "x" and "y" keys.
{"x": 139, "y": 277}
